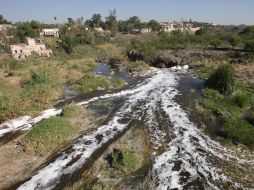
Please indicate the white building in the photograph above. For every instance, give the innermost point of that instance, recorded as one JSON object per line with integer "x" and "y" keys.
{"x": 146, "y": 30}
{"x": 22, "y": 51}
{"x": 168, "y": 27}
{"x": 52, "y": 32}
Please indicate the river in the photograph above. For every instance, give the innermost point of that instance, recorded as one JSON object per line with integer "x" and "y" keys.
{"x": 190, "y": 158}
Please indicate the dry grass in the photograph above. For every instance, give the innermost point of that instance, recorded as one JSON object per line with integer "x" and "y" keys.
{"x": 19, "y": 98}
{"x": 109, "y": 51}
{"x": 245, "y": 72}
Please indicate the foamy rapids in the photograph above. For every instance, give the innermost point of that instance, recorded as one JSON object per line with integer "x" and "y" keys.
{"x": 183, "y": 156}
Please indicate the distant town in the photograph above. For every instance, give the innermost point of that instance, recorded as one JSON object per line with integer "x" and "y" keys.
{"x": 37, "y": 32}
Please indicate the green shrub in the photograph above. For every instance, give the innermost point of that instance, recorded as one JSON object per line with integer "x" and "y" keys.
{"x": 250, "y": 45}
{"x": 115, "y": 62}
{"x": 213, "y": 94}
{"x": 143, "y": 50}
{"x": 72, "y": 110}
{"x": 241, "y": 100}
{"x": 118, "y": 83}
{"x": 40, "y": 77}
{"x": 125, "y": 160}
{"x": 223, "y": 79}
{"x": 67, "y": 43}
{"x": 48, "y": 134}
{"x": 137, "y": 66}
{"x": 240, "y": 130}
{"x": 216, "y": 43}
{"x": 9, "y": 107}
{"x": 234, "y": 41}
{"x": 90, "y": 83}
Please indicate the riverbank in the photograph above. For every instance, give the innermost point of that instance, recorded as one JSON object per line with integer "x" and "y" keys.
{"x": 163, "y": 105}
{"x": 22, "y": 157}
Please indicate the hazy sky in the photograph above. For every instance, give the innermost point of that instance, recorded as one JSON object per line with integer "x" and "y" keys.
{"x": 216, "y": 11}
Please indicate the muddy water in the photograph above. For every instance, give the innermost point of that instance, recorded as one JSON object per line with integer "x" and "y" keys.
{"x": 184, "y": 157}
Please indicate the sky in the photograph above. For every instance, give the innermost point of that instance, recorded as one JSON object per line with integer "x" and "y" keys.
{"x": 212, "y": 11}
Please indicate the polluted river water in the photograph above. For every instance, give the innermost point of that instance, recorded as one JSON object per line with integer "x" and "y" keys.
{"x": 183, "y": 155}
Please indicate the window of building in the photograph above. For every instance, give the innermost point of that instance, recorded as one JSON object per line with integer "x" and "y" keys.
{"x": 16, "y": 51}
{"x": 21, "y": 51}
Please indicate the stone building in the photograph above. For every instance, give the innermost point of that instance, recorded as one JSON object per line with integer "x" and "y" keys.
{"x": 185, "y": 27}
{"x": 22, "y": 51}
{"x": 53, "y": 32}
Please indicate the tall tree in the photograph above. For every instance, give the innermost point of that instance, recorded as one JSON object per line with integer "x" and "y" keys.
{"x": 71, "y": 21}
{"x": 133, "y": 23}
{"x": 111, "y": 22}
{"x": 25, "y": 30}
{"x": 96, "y": 20}
{"x": 3, "y": 20}
{"x": 154, "y": 25}
{"x": 67, "y": 43}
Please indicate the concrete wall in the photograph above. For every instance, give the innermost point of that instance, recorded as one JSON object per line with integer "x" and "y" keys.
{"x": 22, "y": 51}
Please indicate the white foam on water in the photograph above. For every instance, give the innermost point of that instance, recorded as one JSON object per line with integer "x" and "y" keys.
{"x": 49, "y": 176}
{"x": 189, "y": 151}
{"x": 191, "y": 155}
{"x": 26, "y": 122}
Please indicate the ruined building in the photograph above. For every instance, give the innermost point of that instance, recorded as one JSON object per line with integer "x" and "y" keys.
{"x": 22, "y": 51}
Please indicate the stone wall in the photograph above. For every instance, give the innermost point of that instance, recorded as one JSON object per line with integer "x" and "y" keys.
{"x": 22, "y": 51}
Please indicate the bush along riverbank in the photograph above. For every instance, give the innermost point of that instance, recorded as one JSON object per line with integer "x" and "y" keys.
{"x": 232, "y": 103}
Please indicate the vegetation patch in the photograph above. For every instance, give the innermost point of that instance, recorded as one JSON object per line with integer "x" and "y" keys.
{"x": 205, "y": 72}
{"x": 48, "y": 134}
{"x": 53, "y": 132}
{"x": 109, "y": 51}
{"x": 137, "y": 66}
{"x": 241, "y": 100}
{"x": 118, "y": 83}
{"x": 240, "y": 130}
{"x": 71, "y": 111}
{"x": 91, "y": 82}
{"x": 223, "y": 79}
{"x": 232, "y": 104}
{"x": 124, "y": 160}
{"x": 35, "y": 83}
